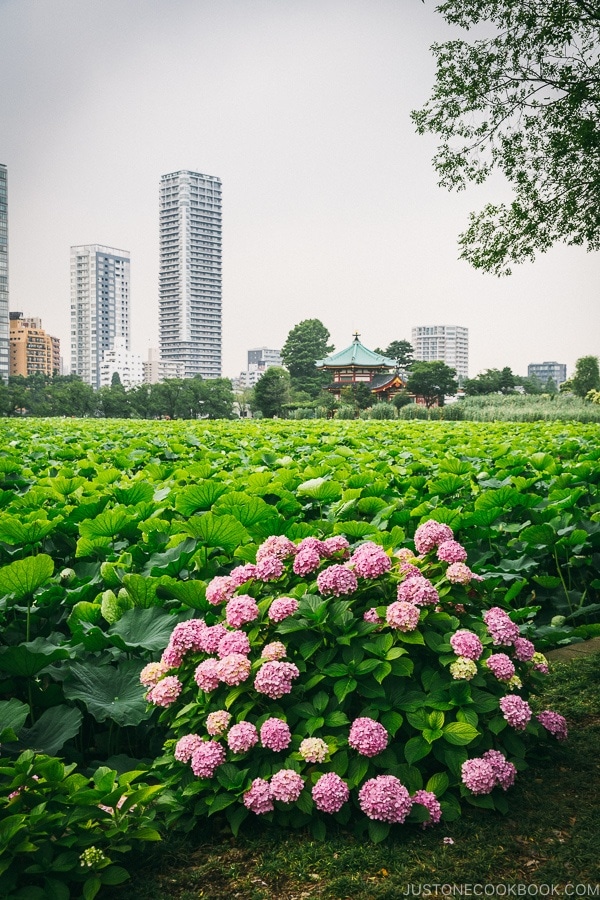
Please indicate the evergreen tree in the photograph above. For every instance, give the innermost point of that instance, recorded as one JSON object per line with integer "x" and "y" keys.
{"x": 271, "y": 392}
{"x": 305, "y": 344}
{"x": 432, "y": 381}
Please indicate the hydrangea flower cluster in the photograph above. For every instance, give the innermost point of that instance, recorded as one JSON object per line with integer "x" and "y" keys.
{"x": 301, "y": 653}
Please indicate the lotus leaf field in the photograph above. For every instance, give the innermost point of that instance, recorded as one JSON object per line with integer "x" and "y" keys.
{"x": 116, "y": 537}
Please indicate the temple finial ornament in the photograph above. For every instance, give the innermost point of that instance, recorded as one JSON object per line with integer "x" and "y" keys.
{"x": 356, "y": 335}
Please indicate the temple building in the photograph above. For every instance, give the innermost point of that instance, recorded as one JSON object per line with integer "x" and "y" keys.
{"x": 359, "y": 365}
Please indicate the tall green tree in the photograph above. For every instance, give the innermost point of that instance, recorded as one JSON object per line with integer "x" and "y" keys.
{"x": 401, "y": 351}
{"x": 305, "y": 344}
{"x": 520, "y": 94}
{"x": 271, "y": 392}
{"x": 432, "y": 381}
{"x": 585, "y": 378}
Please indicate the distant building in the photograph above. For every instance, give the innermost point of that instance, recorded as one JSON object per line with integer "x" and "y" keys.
{"x": 259, "y": 360}
{"x": 554, "y": 370}
{"x": 157, "y": 369}
{"x": 31, "y": 349}
{"x": 190, "y": 272}
{"x": 446, "y": 343}
{"x": 99, "y": 307}
{"x": 126, "y": 364}
{"x": 4, "y": 326}
{"x": 359, "y": 365}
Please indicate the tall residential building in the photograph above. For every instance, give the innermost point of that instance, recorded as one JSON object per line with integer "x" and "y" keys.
{"x": 190, "y": 272}
{"x": 99, "y": 307}
{"x": 554, "y": 370}
{"x": 4, "y": 326}
{"x": 31, "y": 349}
{"x": 447, "y": 343}
{"x": 157, "y": 369}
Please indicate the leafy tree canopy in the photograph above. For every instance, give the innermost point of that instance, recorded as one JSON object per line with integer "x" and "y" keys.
{"x": 522, "y": 96}
{"x": 432, "y": 381}
{"x": 492, "y": 381}
{"x": 401, "y": 351}
{"x": 305, "y": 344}
{"x": 585, "y": 378}
{"x": 271, "y": 392}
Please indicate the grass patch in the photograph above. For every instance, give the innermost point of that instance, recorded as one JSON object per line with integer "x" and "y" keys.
{"x": 549, "y": 837}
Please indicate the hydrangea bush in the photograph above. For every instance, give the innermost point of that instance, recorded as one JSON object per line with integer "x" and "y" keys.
{"x": 329, "y": 681}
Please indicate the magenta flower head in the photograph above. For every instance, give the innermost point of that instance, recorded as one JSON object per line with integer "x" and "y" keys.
{"x": 241, "y": 574}
{"x": 220, "y": 589}
{"x": 275, "y": 679}
{"x": 372, "y": 616}
{"x": 234, "y": 642}
{"x": 185, "y": 747}
{"x": 241, "y": 610}
{"x": 478, "y": 776}
{"x": 211, "y": 636}
{"x": 418, "y": 590}
{"x": 269, "y": 568}
{"x": 283, "y": 607}
{"x": 367, "y": 736}
{"x": 275, "y": 734}
{"x": 206, "y": 675}
{"x": 165, "y": 692}
{"x": 277, "y": 545}
{"x": 286, "y": 786}
{"x": 501, "y": 666}
{"x": 206, "y": 758}
{"x": 451, "y": 552}
{"x": 524, "y": 649}
{"x": 242, "y": 737}
{"x": 503, "y": 770}
{"x": 430, "y": 534}
{"x": 337, "y": 580}
{"x": 385, "y": 798}
{"x": 500, "y": 626}
{"x": 306, "y": 561}
{"x": 336, "y": 544}
{"x": 402, "y": 615}
{"x": 554, "y": 723}
{"x": 233, "y": 668}
{"x": 516, "y": 711}
{"x": 466, "y": 643}
{"x": 330, "y": 793}
{"x": 370, "y": 560}
{"x": 431, "y": 804}
{"x": 258, "y": 798}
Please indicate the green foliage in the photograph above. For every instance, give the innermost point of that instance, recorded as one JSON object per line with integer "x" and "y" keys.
{"x": 520, "y": 96}
{"x": 432, "y": 381}
{"x": 271, "y": 392}
{"x": 586, "y": 377}
{"x": 305, "y": 344}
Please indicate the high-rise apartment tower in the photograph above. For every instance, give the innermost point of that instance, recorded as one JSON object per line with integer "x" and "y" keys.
{"x": 99, "y": 307}
{"x": 447, "y": 343}
{"x": 190, "y": 272}
{"x": 4, "y": 321}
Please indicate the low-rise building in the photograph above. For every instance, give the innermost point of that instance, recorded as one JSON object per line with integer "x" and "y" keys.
{"x": 556, "y": 371}
{"x": 157, "y": 369}
{"x": 31, "y": 349}
{"x": 125, "y": 363}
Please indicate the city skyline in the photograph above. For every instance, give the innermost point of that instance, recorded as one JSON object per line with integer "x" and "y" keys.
{"x": 332, "y": 208}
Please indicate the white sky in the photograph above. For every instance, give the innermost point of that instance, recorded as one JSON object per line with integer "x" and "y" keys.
{"x": 331, "y": 208}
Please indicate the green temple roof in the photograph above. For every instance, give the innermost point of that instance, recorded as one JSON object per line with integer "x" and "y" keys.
{"x": 356, "y": 355}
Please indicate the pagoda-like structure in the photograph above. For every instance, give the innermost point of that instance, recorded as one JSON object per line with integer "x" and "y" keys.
{"x": 359, "y": 365}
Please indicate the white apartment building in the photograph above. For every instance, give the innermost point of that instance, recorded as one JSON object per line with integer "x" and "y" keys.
{"x": 447, "y": 343}
{"x": 126, "y": 364}
{"x": 190, "y": 272}
{"x": 4, "y": 320}
{"x": 100, "y": 307}
{"x": 259, "y": 360}
{"x": 157, "y": 369}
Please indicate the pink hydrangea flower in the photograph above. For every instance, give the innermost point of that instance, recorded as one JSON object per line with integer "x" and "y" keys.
{"x": 463, "y": 669}
{"x": 269, "y": 568}
{"x": 185, "y": 637}
{"x": 372, "y": 616}
{"x": 152, "y": 673}
{"x": 306, "y": 561}
{"x": 165, "y": 692}
{"x": 275, "y": 734}
{"x": 242, "y": 737}
{"x": 336, "y": 544}
{"x": 283, "y": 607}
{"x": 554, "y": 723}
{"x": 402, "y": 615}
{"x": 206, "y": 758}
{"x": 206, "y": 675}
{"x": 241, "y": 574}
{"x": 275, "y": 679}
{"x": 524, "y": 649}
{"x": 258, "y": 799}
{"x": 211, "y": 637}
{"x": 504, "y": 771}
{"x": 516, "y": 711}
{"x": 418, "y": 590}
{"x": 501, "y": 628}
{"x": 310, "y": 543}
{"x": 219, "y": 589}
{"x": 405, "y": 555}
{"x": 186, "y": 746}
{"x": 409, "y": 570}
{"x": 430, "y": 534}
{"x": 501, "y": 666}
{"x": 233, "y": 668}
{"x": 234, "y": 642}
{"x": 370, "y": 560}
{"x": 367, "y": 736}
{"x": 274, "y": 650}
{"x": 313, "y": 749}
{"x": 241, "y": 610}
{"x": 286, "y": 786}
{"x": 466, "y": 643}
{"x": 217, "y": 722}
{"x": 337, "y": 580}
{"x": 330, "y": 793}
{"x": 277, "y": 545}
{"x": 385, "y": 798}
{"x": 451, "y": 552}
{"x": 540, "y": 663}
{"x": 431, "y": 804}
{"x": 459, "y": 573}
{"x": 478, "y": 775}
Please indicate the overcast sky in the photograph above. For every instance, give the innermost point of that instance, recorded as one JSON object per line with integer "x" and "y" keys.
{"x": 331, "y": 208}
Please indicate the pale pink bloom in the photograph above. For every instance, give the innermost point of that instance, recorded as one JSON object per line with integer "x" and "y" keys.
{"x": 241, "y": 610}
{"x": 234, "y": 642}
{"x": 554, "y": 723}
{"x": 241, "y": 574}
{"x": 274, "y": 650}
{"x": 330, "y": 793}
{"x": 313, "y": 749}
{"x": 219, "y": 589}
{"x": 516, "y": 711}
{"x": 418, "y": 590}
{"x": 185, "y": 747}
{"x": 275, "y": 679}
{"x": 402, "y": 615}
{"x": 206, "y": 675}
{"x": 217, "y": 722}
{"x": 451, "y": 552}
{"x": 165, "y": 692}
{"x": 385, "y": 799}
{"x": 286, "y": 786}
{"x": 233, "y": 668}
{"x": 276, "y": 545}
{"x": 367, "y": 736}
{"x": 152, "y": 673}
{"x": 206, "y": 758}
{"x": 283, "y": 607}
{"x": 337, "y": 580}
{"x": 242, "y": 737}
{"x": 430, "y": 534}
{"x": 306, "y": 561}
{"x": 269, "y": 568}
{"x": 275, "y": 734}
{"x": 431, "y": 803}
{"x": 466, "y": 643}
{"x": 258, "y": 799}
